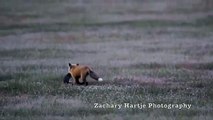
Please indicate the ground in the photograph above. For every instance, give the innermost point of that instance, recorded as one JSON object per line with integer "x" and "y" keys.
{"x": 146, "y": 51}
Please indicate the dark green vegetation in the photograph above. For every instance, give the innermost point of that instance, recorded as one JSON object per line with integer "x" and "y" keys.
{"x": 146, "y": 51}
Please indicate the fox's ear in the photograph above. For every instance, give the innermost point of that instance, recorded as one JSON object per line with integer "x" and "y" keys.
{"x": 77, "y": 64}
{"x": 70, "y": 65}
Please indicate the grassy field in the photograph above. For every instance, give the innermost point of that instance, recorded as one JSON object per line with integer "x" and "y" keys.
{"x": 156, "y": 51}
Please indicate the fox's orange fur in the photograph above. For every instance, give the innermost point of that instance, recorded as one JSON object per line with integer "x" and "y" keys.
{"x": 80, "y": 72}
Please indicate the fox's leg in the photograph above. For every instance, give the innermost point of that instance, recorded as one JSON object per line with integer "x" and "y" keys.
{"x": 67, "y": 78}
{"x": 77, "y": 81}
{"x": 83, "y": 78}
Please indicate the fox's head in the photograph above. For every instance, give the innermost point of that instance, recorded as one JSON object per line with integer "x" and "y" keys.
{"x": 68, "y": 75}
{"x": 71, "y": 66}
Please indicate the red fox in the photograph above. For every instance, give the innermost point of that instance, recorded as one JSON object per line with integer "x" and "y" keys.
{"x": 76, "y": 72}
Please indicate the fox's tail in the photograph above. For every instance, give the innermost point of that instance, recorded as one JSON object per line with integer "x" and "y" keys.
{"x": 95, "y": 76}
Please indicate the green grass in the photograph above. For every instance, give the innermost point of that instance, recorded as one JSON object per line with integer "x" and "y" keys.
{"x": 64, "y": 26}
{"x": 23, "y": 85}
{"x": 37, "y": 53}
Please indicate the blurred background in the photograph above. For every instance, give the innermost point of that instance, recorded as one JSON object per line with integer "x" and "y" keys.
{"x": 121, "y": 28}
